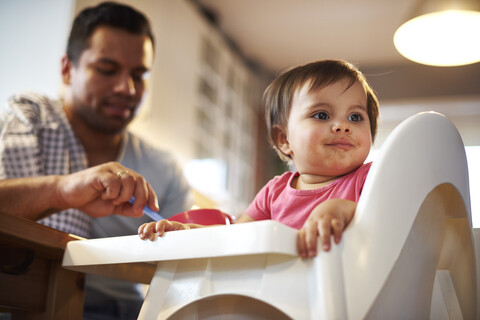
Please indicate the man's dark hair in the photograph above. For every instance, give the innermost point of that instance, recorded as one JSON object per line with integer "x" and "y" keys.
{"x": 105, "y": 14}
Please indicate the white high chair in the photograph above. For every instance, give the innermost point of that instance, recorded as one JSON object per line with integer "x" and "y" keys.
{"x": 407, "y": 254}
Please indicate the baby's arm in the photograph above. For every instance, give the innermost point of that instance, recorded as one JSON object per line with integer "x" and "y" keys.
{"x": 328, "y": 219}
{"x": 148, "y": 230}
{"x": 244, "y": 218}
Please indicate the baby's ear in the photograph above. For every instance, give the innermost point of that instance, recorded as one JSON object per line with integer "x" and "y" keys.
{"x": 281, "y": 140}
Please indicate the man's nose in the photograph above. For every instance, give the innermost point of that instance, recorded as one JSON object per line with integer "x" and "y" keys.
{"x": 126, "y": 85}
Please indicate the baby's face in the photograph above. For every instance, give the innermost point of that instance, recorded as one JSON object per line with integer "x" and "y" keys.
{"x": 328, "y": 129}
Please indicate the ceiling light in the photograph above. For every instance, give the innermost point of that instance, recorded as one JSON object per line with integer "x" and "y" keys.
{"x": 441, "y": 38}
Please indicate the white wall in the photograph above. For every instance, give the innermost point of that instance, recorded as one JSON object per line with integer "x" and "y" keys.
{"x": 33, "y": 35}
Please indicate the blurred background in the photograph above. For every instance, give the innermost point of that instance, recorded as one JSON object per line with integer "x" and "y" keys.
{"x": 213, "y": 60}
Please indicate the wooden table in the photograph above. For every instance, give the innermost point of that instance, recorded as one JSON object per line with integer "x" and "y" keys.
{"x": 33, "y": 284}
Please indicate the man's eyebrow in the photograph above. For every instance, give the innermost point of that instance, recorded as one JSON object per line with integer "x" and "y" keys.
{"x": 141, "y": 69}
{"x": 112, "y": 62}
{"x": 107, "y": 61}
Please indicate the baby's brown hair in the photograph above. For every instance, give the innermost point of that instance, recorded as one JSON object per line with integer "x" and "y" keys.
{"x": 278, "y": 96}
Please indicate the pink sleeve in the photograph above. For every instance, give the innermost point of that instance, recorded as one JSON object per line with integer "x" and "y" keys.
{"x": 259, "y": 209}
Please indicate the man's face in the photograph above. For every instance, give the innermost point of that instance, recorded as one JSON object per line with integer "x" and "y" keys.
{"x": 107, "y": 84}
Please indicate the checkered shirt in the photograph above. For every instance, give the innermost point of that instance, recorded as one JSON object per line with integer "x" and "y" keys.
{"x": 36, "y": 139}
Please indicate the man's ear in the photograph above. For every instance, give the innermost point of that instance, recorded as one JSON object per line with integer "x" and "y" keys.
{"x": 281, "y": 140}
{"x": 67, "y": 69}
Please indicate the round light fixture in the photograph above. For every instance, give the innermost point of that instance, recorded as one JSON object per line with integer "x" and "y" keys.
{"x": 444, "y": 38}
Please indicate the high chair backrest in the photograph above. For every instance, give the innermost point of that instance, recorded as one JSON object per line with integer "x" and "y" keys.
{"x": 412, "y": 231}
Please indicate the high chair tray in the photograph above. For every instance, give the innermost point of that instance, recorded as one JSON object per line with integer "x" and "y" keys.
{"x": 216, "y": 241}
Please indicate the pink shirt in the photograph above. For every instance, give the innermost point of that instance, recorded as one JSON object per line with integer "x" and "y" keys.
{"x": 280, "y": 202}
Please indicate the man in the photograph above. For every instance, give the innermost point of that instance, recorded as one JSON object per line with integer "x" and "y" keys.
{"x": 109, "y": 55}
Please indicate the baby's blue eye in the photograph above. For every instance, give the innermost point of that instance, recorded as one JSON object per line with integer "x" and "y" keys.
{"x": 355, "y": 117}
{"x": 321, "y": 116}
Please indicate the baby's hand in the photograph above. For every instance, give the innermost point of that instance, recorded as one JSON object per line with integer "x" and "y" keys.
{"x": 148, "y": 230}
{"x": 327, "y": 219}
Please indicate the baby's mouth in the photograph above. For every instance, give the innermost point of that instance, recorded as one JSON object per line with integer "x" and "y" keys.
{"x": 344, "y": 145}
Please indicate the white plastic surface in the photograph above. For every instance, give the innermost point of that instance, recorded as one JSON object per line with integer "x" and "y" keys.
{"x": 404, "y": 228}
{"x": 412, "y": 221}
{"x": 219, "y": 241}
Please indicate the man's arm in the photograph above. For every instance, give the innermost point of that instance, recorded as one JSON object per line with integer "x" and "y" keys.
{"x": 98, "y": 191}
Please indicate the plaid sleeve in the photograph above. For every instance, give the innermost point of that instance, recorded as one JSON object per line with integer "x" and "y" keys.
{"x": 20, "y": 154}
{"x": 34, "y": 141}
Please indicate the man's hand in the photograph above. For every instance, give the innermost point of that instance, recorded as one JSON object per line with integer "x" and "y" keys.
{"x": 106, "y": 189}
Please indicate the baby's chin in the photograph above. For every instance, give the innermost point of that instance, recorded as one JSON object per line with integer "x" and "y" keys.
{"x": 334, "y": 172}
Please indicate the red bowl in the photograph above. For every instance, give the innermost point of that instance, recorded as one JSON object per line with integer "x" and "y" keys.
{"x": 204, "y": 217}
